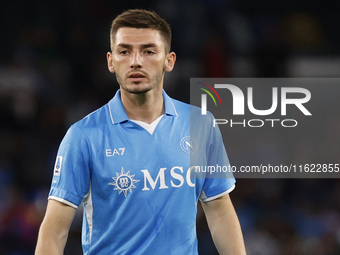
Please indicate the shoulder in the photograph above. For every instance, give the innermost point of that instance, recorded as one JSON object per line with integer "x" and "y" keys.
{"x": 193, "y": 111}
{"x": 93, "y": 119}
{"x": 91, "y": 125}
{"x": 191, "y": 116}
{"x": 180, "y": 106}
{"x": 186, "y": 108}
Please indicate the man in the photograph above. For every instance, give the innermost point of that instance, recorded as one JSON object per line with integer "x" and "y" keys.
{"x": 132, "y": 161}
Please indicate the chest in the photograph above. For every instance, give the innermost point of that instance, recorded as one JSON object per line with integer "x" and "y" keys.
{"x": 130, "y": 160}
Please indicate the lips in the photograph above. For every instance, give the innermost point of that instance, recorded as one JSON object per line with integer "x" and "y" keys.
{"x": 136, "y": 75}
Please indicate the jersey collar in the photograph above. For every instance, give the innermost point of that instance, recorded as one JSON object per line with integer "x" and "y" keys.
{"x": 118, "y": 114}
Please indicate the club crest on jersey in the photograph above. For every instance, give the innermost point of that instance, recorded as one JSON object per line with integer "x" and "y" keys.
{"x": 189, "y": 145}
{"x": 124, "y": 182}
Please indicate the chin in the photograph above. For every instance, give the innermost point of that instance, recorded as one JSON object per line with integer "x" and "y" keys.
{"x": 137, "y": 89}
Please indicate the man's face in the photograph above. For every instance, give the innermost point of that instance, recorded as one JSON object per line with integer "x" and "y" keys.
{"x": 139, "y": 59}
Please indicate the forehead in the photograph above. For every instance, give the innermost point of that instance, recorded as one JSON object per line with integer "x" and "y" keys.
{"x": 138, "y": 36}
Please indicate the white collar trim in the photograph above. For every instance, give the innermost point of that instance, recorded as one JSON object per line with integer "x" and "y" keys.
{"x": 148, "y": 127}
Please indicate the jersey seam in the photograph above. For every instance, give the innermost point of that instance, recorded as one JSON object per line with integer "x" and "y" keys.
{"x": 87, "y": 145}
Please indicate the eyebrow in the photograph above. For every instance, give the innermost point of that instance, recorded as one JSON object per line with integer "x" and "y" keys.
{"x": 143, "y": 46}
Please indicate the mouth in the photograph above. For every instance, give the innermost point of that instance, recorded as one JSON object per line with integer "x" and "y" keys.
{"x": 136, "y": 76}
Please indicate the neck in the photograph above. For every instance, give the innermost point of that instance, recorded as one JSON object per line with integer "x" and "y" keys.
{"x": 144, "y": 107}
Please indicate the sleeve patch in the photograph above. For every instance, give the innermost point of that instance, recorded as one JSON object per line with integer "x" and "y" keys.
{"x": 57, "y": 169}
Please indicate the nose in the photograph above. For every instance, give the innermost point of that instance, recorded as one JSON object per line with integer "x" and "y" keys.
{"x": 136, "y": 60}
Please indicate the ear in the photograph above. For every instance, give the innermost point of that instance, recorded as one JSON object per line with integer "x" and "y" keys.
{"x": 110, "y": 64}
{"x": 170, "y": 61}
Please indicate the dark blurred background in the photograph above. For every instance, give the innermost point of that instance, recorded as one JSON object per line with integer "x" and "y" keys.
{"x": 53, "y": 72}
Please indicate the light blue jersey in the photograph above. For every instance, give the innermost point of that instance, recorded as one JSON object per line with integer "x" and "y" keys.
{"x": 137, "y": 187}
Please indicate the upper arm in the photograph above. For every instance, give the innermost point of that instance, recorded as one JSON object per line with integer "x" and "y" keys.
{"x": 54, "y": 228}
{"x": 58, "y": 217}
{"x": 217, "y": 207}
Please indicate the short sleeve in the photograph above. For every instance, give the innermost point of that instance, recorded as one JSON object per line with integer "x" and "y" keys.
{"x": 71, "y": 175}
{"x": 219, "y": 179}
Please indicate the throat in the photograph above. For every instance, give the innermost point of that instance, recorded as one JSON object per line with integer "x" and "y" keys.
{"x": 145, "y": 109}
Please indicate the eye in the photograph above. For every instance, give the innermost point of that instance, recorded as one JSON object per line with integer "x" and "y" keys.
{"x": 150, "y": 52}
{"x": 123, "y": 52}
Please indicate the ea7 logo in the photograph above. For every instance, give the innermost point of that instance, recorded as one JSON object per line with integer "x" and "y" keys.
{"x": 238, "y": 100}
{"x": 113, "y": 152}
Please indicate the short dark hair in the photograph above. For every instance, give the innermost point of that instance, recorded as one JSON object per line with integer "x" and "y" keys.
{"x": 139, "y": 18}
